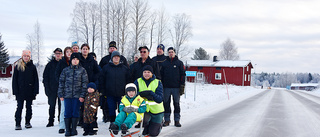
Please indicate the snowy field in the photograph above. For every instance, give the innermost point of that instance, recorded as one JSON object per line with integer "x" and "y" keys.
{"x": 198, "y": 101}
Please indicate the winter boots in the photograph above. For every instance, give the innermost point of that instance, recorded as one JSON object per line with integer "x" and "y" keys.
{"x": 114, "y": 128}
{"x": 166, "y": 123}
{"x": 88, "y": 129}
{"x": 177, "y": 124}
{"x": 50, "y": 123}
{"x": 18, "y": 124}
{"x": 67, "y": 122}
{"x": 74, "y": 126}
{"x": 28, "y": 125}
{"x": 124, "y": 128}
{"x": 18, "y": 127}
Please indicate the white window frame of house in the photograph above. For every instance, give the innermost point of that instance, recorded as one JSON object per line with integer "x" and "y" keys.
{"x": 245, "y": 77}
{"x": 4, "y": 71}
{"x": 247, "y": 68}
{"x": 199, "y": 75}
{"x": 219, "y": 76}
{"x": 249, "y": 77}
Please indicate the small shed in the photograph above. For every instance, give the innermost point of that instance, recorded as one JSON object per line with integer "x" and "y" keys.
{"x": 237, "y": 72}
{"x": 8, "y": 71}
{"x": 304, "y": 86}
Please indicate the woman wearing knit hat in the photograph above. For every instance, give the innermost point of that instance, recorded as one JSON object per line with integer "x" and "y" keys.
{"x": 25, "y": 86}
{"x": 113, "y": 79}
{"x": 151, "y": 90}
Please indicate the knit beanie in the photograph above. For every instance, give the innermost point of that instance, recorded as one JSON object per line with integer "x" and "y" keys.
{"x": 115, "y": 53}
{"x": 26, "y": 52}
{"x": 113, "y": 44}
{"x": 75, "y": 55}
{"x": 171, "y": 48}
{"x": 149, "y": 68}
{"x": 161, "y": 46}
{"x": 92, "y": 85}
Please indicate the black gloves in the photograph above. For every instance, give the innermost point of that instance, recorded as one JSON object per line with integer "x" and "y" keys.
{"x": 181, "y": 91}
{"x": 146, "y": 94}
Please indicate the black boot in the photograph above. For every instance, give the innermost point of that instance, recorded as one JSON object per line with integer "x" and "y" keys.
{"x": 112, "y": 118}
{"x": 91, "y": 127}
{"x": 177, "y": 124}
{"x": 124, "y": 128}
{"x": 28, "y": 125}
{"x": 50, "y": 123}
{"x": 74, "y": 126}
{"x": 114, "y": 128}
{"x": 86, "y": 128}
{"x": 67, "y": 122}
{"x": 18, "y": 124}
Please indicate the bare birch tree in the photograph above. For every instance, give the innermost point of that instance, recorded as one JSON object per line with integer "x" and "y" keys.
{"x": 181, "y": 33}
{"x": 228, "y": 50}
{"x": 94, "y": 18}
{"x": 140, "y": 9}
{"x": 162, "y": 26}
{"x": 35, "y": 43}
{"x": 153, "y": 21}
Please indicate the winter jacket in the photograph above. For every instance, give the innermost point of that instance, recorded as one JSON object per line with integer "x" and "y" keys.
{"x": 137, "y": 68}
{"x": 91, "y": 67}
{"x": 136, "y": 102}
{"x": 25, "y": 84}
{"x": 158, "y": 94}
{"x": 61, "y": 65}
{"x": 106, "y": 59}
{"x": 49, "y": 78}
{"x": 91, "y": 104}
{"x": 173, "y": 73}
{"x": 160, "y": 59}
{"x": 73, "y": 82}
{"x": 113, "y": 79}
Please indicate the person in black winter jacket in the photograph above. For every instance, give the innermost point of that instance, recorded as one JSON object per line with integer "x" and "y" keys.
{"x": 87, "y": 61}
{"x": 63, "y": 63}
{"x": 72, "y": 89}
{"x": 113, "y": 79}
{"x": 137, "y": 67}
{"x": 51, "y": 85}
{"x": 160, "y": 58}
{"x": 173, "y": 79}
{"x": 106, "y": 59}
{"x": 25, "y": 86}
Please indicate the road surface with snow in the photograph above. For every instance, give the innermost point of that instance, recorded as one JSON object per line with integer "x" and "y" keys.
{"x": 272, "y": 113}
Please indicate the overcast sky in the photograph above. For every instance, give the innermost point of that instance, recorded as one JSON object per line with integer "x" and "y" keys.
{"x": 276, "y": 35}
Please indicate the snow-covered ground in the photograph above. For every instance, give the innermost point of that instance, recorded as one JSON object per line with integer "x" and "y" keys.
{"x": 198, "y": 100}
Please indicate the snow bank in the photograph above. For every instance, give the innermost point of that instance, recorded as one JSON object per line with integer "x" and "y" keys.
{"x": 194, "y": 104}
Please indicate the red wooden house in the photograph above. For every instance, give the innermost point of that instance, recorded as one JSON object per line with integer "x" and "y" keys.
{"x": 7, "y": 72}
{"x": 237, "y": 72}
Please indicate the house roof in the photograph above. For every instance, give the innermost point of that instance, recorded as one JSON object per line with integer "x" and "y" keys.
{"x": 220, "y": 63}
{"x": 304, "y": 84}
{"x": 13, "y": 59}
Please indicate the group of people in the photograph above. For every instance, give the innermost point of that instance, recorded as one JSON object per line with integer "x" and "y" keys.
{"x": 75, "y": 81}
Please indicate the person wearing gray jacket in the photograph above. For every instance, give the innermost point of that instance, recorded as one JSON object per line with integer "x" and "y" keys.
{"x": 72, "y": 89}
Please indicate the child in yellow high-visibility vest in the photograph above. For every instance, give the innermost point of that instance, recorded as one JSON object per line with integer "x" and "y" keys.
{"x": 131, "y": 108}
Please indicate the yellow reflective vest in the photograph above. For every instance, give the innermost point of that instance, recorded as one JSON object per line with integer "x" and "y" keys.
{"x": 135, "y": 103}
{"x": 152, "y": 106}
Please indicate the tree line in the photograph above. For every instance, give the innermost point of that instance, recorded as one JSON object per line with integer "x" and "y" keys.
{"x": 283, "y": 79}
{"x": 131, "y": 23}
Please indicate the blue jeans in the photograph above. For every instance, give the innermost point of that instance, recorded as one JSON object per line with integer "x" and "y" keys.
{"x": 113, "y": 103}
{"x": 62, "y": 124}
{"x": 72, "y": 107}
{"x": 176, "y": 103}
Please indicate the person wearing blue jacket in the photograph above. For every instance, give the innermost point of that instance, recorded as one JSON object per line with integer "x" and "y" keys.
{"x": 151, "y": 90}
{"x": 72, "y": 90}
{"x": 173, "y": 79}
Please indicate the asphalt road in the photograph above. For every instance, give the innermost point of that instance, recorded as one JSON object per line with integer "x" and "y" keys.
{"x": 272, "y": 113}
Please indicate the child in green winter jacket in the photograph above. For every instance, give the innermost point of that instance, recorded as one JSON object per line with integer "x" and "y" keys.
{"x": 131, "y": 108}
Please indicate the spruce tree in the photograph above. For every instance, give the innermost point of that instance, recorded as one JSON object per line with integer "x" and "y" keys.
{"x": 4, "y": 56}
{"x": 200, "y": 54}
